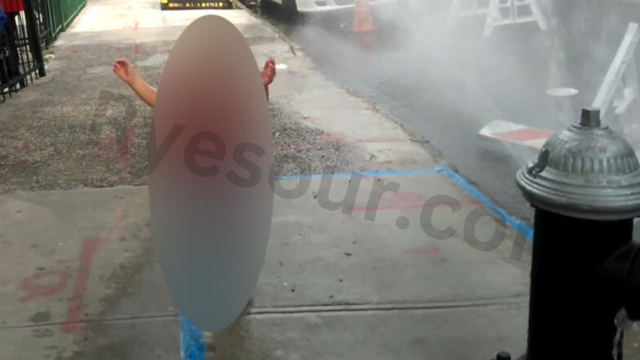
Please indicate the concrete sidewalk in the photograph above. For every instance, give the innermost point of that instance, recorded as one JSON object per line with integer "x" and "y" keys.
{"x": 88, "y": 286}
{"x": 78, "y": 275}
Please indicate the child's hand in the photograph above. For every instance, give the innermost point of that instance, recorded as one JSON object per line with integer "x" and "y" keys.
{"x": 268, "y": 72}
{"x": 123, "y": 69}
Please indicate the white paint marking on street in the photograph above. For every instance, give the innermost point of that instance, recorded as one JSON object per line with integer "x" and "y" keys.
{"x": 515, "y": 134}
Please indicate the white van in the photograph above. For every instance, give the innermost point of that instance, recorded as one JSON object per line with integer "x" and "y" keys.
{"x": 310, "y": 6}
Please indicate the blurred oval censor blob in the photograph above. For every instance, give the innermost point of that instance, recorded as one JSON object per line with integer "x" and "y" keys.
{"x": 210, "y": 154}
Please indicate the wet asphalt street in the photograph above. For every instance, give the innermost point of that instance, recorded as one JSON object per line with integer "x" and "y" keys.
{"x": 446, "y": 83}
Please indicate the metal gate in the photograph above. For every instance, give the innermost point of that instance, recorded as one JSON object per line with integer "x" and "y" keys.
{"x": 31, "y": 26}
{"x": 20, "y": 45}
{"x": 62, "y": 13}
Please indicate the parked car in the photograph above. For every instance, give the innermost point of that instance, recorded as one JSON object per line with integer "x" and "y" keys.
{"x": 310, "y": 6}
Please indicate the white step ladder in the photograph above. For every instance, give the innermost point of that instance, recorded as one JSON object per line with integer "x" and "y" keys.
{"x": 507, "y": 12}
{"x": 618, "y": 93}
{"x": 498, "y": 12}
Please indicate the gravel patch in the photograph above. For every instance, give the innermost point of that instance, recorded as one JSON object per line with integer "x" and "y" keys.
{"x": 49, "y": 139}
{"x": 50, "y": 153}
{"x": 303, "y": 150}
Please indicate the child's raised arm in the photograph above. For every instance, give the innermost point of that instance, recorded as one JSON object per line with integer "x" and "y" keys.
{"x": 123, "y": 69}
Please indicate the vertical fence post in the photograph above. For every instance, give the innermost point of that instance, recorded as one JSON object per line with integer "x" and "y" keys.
{"x": 34, "y": 36}
{"x": 45, "y": 22}
{"x": 63, "y": 20}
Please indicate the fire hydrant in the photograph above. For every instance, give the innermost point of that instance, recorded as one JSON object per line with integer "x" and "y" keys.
{"x": 585, "y": 189}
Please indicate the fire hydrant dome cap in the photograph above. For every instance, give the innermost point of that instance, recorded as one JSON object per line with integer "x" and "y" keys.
{"x": 586, "y": 171}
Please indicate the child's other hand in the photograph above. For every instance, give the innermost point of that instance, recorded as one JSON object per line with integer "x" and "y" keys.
{"x": 123, "y": 69}
{"x": 268, "y": 72}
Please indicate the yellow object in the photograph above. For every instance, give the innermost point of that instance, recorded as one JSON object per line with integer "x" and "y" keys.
{"x": 165, "y": 1}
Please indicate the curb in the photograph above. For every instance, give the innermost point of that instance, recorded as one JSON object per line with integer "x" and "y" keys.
{"x": 522, "y": 228}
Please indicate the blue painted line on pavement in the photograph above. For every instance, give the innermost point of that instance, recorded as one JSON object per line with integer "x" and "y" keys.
{"x": 191, "y": 341}
{"x": 363, "y": 174}
{"x": 521, "y": 227}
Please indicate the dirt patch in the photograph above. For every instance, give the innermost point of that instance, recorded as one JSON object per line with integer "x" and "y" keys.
{"x": 51, "y": 153}
{"x": 52, "y": 137}
{"x": 300, "y": 149}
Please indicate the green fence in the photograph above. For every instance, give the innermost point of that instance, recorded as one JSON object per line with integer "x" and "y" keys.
{"x": 61, "y": 13}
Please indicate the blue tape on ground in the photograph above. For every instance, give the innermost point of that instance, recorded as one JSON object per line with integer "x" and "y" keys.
{"x": 363, "y": 174}
{"x": 521, "y": 227}
{"x": 191, "y": 341}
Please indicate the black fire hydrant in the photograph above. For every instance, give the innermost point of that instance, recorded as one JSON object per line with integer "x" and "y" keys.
{"x": 585, "y": 188}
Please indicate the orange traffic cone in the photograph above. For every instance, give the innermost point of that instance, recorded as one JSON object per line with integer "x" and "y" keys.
{"x": 363, "y": 21}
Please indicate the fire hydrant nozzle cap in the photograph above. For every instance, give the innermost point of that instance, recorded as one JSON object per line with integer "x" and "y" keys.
{"x": 590, "y": 118}
{"x": 585, "y": 171}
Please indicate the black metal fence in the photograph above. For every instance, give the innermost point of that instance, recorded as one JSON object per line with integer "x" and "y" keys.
{"x": 21, "y": 41}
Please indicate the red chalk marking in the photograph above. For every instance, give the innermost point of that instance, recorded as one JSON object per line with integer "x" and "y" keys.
{"x": 35, "y": 288}
{"x": 524, "y": 135}
{"x": 74, "y": 313}
{"x": 136, "y": 49}
{"x": 123, "y": 159}
{"x": 123, "y": 148}
{"x": 400, "y": 201}
{"x": 424, "y": 252}
{"x": 124, "y": 151}
{"x": 25, "y": 148}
